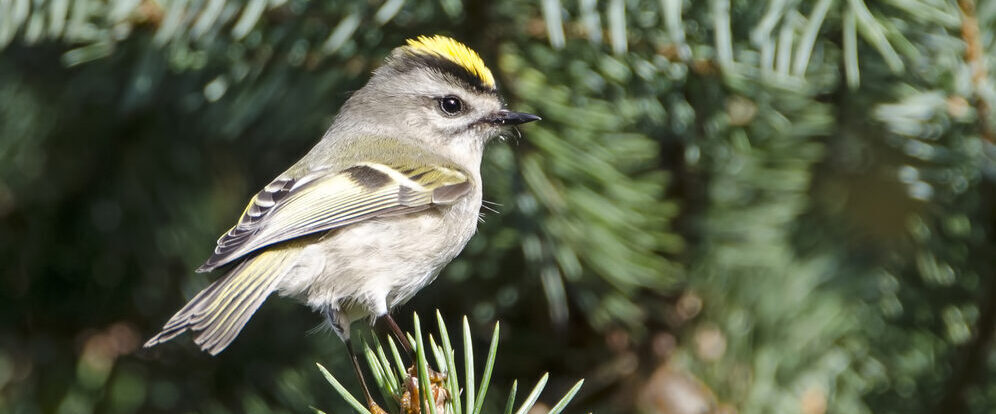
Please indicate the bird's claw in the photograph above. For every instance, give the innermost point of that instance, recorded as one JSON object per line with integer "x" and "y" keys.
{"x": 375, "y": 409}
{"x": 435, "y": 378}
{"x": 409, "y": 399}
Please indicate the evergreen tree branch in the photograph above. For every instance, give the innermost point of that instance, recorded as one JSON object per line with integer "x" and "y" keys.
{"x": 976, "y": 60}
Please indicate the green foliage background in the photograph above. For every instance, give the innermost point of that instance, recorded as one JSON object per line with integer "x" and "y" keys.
{"x": 730, "y": 206}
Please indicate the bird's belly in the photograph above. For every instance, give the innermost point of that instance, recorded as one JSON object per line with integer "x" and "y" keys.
{"x": 367, "y": 268}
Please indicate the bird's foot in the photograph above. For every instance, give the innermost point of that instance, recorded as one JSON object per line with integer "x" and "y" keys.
{"x": 437, "y": 386}
{"x": 435, "y": 378}
{"x": 375, "y": 409}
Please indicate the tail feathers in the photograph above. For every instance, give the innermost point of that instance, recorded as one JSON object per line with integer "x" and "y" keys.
{"x": 219, "y": 312}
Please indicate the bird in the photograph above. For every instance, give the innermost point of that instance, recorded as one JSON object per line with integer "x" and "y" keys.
{"x": 388, "y": 196}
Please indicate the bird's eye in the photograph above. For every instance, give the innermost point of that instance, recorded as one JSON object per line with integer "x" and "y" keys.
{"x": 451, "y": 105}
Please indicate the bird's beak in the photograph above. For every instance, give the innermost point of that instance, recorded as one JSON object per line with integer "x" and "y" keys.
{"x": 506, "y": 117}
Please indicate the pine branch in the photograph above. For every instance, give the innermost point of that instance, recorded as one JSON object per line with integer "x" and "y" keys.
{"x": 975, "y": 59}
{"x": 418, "y": 393}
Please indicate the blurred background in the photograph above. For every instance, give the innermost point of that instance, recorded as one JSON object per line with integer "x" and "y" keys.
{"x": 730, "y": 206}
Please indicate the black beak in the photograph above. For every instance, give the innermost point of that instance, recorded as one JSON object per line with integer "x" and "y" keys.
{"x": 506, "y": 117}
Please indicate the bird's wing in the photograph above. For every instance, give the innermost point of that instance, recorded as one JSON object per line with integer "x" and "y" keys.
{"x": 324, "y": 200}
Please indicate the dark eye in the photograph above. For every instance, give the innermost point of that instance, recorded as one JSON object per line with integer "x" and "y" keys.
{"x": 451, "y": 105}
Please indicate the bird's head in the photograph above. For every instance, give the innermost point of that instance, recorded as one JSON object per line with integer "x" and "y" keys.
{"x": 438, "y": 90}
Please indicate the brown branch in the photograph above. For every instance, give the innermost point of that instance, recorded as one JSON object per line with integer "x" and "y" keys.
{"x": 976, "y": 60}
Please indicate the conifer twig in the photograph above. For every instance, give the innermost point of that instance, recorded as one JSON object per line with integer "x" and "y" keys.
{"x": 976, "y": 60}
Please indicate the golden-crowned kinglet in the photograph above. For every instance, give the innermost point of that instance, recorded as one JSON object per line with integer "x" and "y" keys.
{"x": 374, "y": 211}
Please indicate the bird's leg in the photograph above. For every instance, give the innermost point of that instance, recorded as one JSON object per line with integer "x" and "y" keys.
{"x": 434, "y": 377}
{"x": 343, "y": 332}
{"x": 374, "y": 408}
{"x": 409, "y": 399}
{"x": 400, "y": 336}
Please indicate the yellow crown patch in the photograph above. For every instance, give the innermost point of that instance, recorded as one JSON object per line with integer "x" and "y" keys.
{"x": 455, "y": 52}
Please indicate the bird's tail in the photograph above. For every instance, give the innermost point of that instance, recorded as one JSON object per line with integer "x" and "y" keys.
{"x": 220, "y": 311}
